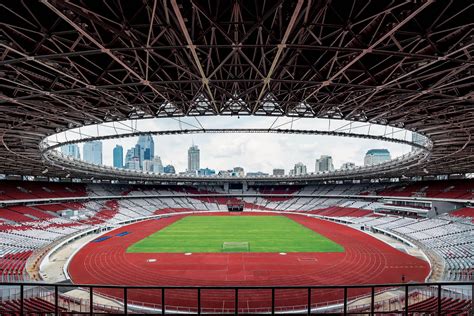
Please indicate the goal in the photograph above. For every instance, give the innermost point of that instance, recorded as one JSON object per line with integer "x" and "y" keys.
{"x": 235, "y": 246}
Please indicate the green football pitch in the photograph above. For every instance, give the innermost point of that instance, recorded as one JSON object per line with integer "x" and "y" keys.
{"x": 212, "y": 234}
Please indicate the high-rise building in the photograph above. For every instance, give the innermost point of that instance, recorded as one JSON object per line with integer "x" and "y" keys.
{"x": 136, "y": 152}
{"x": 376, "y": 156}
{"x": 147, "y": 165}
{"x": 157, "y": 165}
{"x": 71, "y": 150}
{"x": 143, "y": 153}
{"x": 147, "y": 154}
{"x": 145, "y": 143}
{"x": 278, "y": 172}
{"x": 169, "y": 169}
{"x": 134, "y": 164}
{"x": 118, "y": 156}
{"x": 93, "y": 152}
{"x": 299, "y": 169}
{"x": 348, "y": 166}
{"x": 128, "y": 157}
{"x": 324, "y": 163}
{"x": 206, "y": 172}
{"x": 238, "y": 172}
{"x": 193, "y": 158}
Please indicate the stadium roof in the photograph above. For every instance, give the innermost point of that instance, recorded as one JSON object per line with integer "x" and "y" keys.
{"x": 66, "y": 64}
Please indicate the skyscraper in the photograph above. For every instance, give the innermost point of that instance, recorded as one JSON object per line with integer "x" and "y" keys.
{"x": 147, "y": 154}
{"x": 278, "y": 172}
{"x": 324, "y": 163}
{"x": 93, "y": 152}
{"x": 193, "y": 158}
{"x": 299, "y": 169}
{"x": 238, "y": 172}
{"x": 129, "y": 157}
{"x": 136, "y": 152}
{"x": 118, "y": 156}
{"x": 71, "y": 150}
{"x": 147, "y": 165}
{"x": 376, "y": 156}
{"x": 157, "y": 165}
{"x": 147, "y": 145}
{"x": 134, "y": 164}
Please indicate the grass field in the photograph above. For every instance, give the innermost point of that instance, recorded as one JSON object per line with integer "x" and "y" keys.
{"x": 200, "y": 234}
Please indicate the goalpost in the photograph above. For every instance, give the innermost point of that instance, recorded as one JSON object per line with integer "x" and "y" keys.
{"x": 235, "y": 246}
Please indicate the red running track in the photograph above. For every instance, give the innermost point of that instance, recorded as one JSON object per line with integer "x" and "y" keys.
{"x": 365, "y": 260}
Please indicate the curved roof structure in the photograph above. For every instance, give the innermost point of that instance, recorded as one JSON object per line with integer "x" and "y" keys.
{"x": 65, "y": 64}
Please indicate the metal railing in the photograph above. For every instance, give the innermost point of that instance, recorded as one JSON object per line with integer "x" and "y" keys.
{"x": 349, "y": 304}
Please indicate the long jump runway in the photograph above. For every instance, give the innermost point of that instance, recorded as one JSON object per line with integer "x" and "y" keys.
{"x": 365, "y": 260}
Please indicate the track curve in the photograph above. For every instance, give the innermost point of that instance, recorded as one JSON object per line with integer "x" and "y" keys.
{"x": 365, "y": 260}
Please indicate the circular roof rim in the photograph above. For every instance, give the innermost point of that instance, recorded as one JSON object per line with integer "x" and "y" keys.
{"x": 426, "y": 147}
{"x": 55, "y": 158}
{"x": 406, "y": 161}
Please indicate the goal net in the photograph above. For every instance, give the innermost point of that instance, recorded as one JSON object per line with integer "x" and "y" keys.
{"x": 235, "y": 246}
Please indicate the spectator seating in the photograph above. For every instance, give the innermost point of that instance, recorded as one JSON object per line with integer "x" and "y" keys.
{"x": 451, "y": 240}
{"x": 453, "y": 189}
{"x": 467, "y": 212}
{"x": 34, "y": 226}
{"x": 12, "y": 264}
{"x": 32, "y": 306}
{"x": 14, "y": 190}
{"x": 449, "y": 306}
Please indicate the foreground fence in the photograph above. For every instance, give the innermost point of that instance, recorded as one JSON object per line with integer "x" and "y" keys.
{"x": 446, "y": 298}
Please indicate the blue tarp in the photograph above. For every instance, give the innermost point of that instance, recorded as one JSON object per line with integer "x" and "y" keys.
{"x": 122, "y": 234}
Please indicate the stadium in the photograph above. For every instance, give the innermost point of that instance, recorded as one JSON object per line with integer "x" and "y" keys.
{"x": 392, "y": 237}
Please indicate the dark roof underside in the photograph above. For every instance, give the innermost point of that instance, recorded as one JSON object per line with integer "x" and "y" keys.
{"x": 67, "y": 64}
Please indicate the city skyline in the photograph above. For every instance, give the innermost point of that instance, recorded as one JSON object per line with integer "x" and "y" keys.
{"x": 180, "y": 160}
{"x": 254, "y": 152}
{"x": 139, "y": 158}
{"x": 132, "y": 160}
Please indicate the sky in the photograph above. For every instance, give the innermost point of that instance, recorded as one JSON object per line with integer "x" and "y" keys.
{"x": 253, "y": 152}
